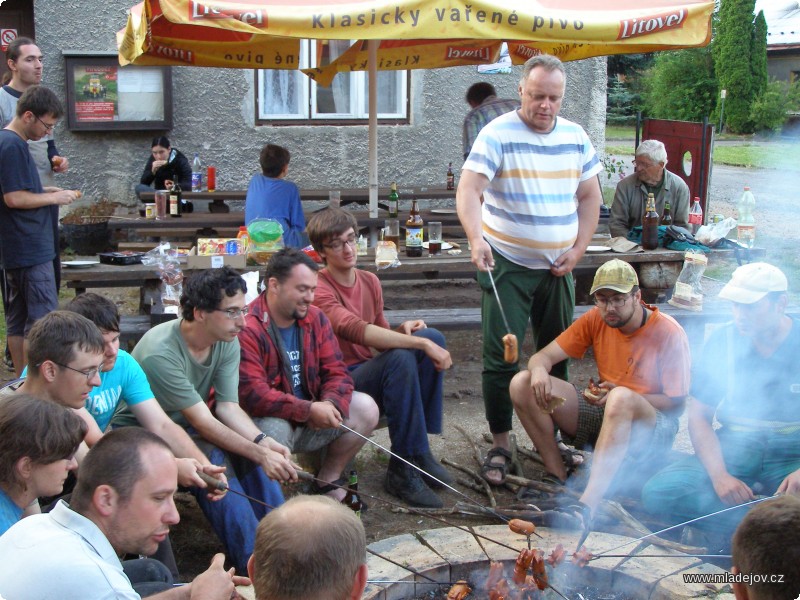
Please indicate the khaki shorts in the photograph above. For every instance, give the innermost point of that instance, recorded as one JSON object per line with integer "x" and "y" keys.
{"x": 590, "y": 420}
{"x": 297, "y": 438}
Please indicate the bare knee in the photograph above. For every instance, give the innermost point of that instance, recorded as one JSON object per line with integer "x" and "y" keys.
{"x": 520, "y": 390}
{"x": 623, "y": 403}
{"x": 364, "y": 411}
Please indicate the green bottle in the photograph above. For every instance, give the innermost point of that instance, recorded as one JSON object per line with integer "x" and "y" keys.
{"x": 394, "y": 201}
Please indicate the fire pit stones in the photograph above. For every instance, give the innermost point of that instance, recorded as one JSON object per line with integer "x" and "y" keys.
{"x": 450, "y": 554}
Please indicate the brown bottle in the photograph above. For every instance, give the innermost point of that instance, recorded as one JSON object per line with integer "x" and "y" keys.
{"x": 351, "y": 499}
{"x": 666, "y": 218}
{"x": 650, "y": 225}
{"x": 414, "y": 231}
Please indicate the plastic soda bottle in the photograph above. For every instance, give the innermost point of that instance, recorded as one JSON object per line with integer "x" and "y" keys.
{"x": 746, "y": 224}
{"x": 197, "y": 174}
{"x": 244, "y": 239}
{"x": 695, "y": 215}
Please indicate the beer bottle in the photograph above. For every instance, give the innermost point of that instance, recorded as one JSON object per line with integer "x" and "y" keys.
{"x": 175, "y": 204}
{"x": 451, "y": 178}
{"x": 351, "y": 499}
{"x": 414, "y": 231}
{"x": 650, "y": 225}
{"x": 666, "y": 218}
{"x": 394, "y": 201}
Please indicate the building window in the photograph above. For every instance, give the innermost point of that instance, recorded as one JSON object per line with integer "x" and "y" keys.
{"x": 289, "y": 97}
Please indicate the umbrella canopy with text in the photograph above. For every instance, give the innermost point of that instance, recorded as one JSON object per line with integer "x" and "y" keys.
{"x": 434, "y": 33}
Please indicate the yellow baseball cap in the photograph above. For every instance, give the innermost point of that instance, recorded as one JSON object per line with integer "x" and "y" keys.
{"x": 615, "y": 275}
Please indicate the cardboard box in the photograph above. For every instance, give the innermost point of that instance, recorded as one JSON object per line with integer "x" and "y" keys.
{"x": 237, "y": 261}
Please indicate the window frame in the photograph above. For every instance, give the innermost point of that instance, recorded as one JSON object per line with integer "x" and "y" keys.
{"x": 358, "y": 93}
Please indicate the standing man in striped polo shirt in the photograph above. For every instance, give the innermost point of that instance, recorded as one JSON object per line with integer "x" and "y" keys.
{"x": 530, "y": 166}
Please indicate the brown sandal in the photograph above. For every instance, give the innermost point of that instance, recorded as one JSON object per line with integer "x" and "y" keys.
{"x": 503, "y": 467}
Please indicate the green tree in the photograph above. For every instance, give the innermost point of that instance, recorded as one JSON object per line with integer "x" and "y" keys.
{"x": 758, "y": 57}
{"x": 681, "y": 85}
{"x": 733, "y": 63}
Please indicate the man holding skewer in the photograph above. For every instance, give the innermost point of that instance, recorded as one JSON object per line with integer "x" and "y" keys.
{"x": 192, "y": 366}
{"x": 517, "y": 203}
{"x": 747, "y": 379}
{"x": 292, "y": 378}
{"x": 631, "y": 417}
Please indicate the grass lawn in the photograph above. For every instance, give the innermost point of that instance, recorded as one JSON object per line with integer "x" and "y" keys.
{"x": 745, "y": 153}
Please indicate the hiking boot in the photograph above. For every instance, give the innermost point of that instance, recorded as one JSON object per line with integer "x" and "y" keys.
{"x": 407, "y": 484}
{"x": 428, "y": 463}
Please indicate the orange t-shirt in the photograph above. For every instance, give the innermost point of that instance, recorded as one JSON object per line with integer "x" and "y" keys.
{"x": 654, "y": 359}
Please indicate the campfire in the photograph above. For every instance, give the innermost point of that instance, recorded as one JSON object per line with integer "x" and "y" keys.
{"x": 473, "y": 568}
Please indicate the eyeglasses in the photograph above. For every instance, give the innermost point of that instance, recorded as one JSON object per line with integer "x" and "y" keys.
{"x": 644, "y": 164}
{"x": 613, "y": 302}
{"x": 46, "y": 127}
{"x": 337, "y": 245}
{"x": 234, "y": 313}
{"x": 88, "y": 374}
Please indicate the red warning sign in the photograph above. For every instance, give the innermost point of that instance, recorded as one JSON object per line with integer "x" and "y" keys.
{"x": 6, "y": 37}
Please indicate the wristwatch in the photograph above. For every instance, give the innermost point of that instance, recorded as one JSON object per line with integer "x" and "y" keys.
{"x": 259, "y": 437}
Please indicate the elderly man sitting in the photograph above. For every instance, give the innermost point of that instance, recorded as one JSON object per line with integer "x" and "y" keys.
{"x": 649, "y": 176}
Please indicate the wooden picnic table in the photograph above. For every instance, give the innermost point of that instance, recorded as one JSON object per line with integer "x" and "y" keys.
{"x": 348, "y": 195}
{"x": 204, "y": 224}
{"x": 657, "y": 270}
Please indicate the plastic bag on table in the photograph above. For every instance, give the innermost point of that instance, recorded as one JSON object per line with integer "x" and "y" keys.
{"x": 713, "y": 233}
{"x": 166, "y": 261}
{"x": 688, "y": 292}
{"x": 386, "y": 255}
{"x": 266, "y": 238}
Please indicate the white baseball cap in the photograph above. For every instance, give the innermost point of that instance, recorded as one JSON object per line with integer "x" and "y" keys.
{"x": 750, "y": 283}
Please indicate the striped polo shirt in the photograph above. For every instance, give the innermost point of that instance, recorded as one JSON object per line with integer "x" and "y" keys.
{"x": 529, "y": 211}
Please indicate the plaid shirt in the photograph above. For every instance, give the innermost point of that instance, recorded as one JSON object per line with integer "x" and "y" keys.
{"x": 265, "y": 385}
{"x": 478, "y": 117}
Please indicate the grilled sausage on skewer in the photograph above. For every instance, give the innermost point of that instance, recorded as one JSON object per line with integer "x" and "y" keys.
{"x": 510, "y": 354}
{"x": 520, "y": 526}
{"x": 459, "y": 591}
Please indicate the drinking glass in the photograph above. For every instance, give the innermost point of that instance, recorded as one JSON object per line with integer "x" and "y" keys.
{"x": 162, "y": 197}
{"x": 434, "y": 238}
{"x": 391, "y": 231}
{"x": 335, "y": 198}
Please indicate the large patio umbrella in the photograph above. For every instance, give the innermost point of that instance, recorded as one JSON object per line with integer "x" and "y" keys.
{"x": 415, "y": 33}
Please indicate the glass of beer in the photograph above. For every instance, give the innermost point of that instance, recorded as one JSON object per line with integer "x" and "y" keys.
{"x": 434, "y": 238}
{"x": 162, "y": 197}
{"x": 391, "y": 232}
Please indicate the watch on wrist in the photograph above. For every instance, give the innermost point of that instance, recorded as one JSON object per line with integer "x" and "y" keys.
{"x": 259, "y": 437}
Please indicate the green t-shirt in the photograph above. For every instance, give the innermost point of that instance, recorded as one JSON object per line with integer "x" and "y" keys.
{"x": 178, "y": 381}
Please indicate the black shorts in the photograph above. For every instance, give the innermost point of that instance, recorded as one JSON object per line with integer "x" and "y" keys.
{"x": 32, "y": 294}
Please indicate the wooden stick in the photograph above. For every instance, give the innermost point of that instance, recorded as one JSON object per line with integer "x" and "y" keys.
{"x": 476, "y": 452}
{"x": 481, "y": 481}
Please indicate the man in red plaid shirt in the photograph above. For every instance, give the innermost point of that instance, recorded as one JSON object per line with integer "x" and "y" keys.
{"x": 292, "y": 379}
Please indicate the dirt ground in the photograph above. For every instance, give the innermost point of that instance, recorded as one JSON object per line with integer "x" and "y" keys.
{"x": 193, "y": 540}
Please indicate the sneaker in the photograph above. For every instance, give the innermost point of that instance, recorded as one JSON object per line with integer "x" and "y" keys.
{"x": 406, "y": 483}
{"x": 428, "y": 463}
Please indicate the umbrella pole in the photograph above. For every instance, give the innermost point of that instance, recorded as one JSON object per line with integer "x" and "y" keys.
{"x": 372, "y": 46}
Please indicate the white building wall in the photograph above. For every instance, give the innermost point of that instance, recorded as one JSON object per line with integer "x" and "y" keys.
{"x": 214, "y": 115}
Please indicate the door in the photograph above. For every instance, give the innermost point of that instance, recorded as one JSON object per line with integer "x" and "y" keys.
{"x": 16, "y": 20}
{"x": 688, "y": 152}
